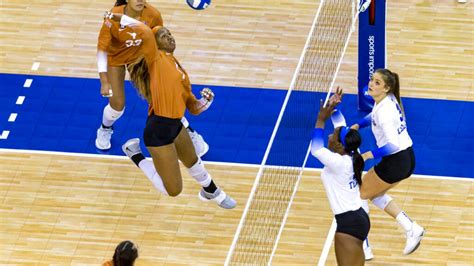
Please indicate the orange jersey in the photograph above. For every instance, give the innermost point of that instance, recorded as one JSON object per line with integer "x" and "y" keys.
{"x": 121, "y": 44}
{"x": 169, "y": 83}
{"x": 108, "y": 263}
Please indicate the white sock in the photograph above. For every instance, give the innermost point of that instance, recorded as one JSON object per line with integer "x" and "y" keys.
{"x": 198, "y": 172}
{"x": 110, "y": 115}
{"x": 404, "y": 221}
{"x": 149, "y": 169}
{"x": 365, "y": 206}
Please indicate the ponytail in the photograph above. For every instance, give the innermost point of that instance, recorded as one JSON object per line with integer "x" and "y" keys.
{"x": 352, "y": 142}
{"x": 358, "y": 165}
{"x": 140, "y": 78}
{"x": 120, "y": 2}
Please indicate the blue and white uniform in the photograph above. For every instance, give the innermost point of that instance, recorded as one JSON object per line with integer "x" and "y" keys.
{"x": 393, "y": 142}
{"x": 341, "y": 187}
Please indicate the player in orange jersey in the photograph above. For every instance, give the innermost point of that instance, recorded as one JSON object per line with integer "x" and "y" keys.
{"x": 115, "y": 50}
{"x": 162, "y": 81}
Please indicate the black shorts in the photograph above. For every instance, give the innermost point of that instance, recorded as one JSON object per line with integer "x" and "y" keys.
{"x": 160, "y": 131}
{"x": 396, "y": 167}
{"x": 354, "y": 223}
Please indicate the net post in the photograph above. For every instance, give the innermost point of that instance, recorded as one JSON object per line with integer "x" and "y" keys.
{"x": 372, "y": 49}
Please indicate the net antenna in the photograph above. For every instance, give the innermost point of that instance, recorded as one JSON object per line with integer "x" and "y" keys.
{"x": 273, "y": 191}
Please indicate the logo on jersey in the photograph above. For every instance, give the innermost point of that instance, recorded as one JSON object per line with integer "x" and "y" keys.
{"x": 134, "y": 41}
{"x": 353, "y": 183}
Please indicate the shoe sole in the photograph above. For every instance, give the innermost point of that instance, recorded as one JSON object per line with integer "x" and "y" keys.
{"x": 101, "y": 148}
{"x": 417, "y": 245}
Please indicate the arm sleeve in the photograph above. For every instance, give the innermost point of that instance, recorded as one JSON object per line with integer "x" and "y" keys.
{"x": 338, "y": 119}
{"x": 391, "y": 134}
{"x": 317, "y": 141}
{"x": 365, "y": 122}
{"x": 101, "y": 61}
{"x": 326, "y": 157}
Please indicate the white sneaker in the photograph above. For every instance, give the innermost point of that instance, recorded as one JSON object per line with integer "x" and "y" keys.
{"x": 368, "y": 253}
{"x": 102, "y": 142}
{"x": 414, "y": 237}
{"x": 200, "y": 145}
{"x": 219, "y": 196}
{"x": 131, "y": 147}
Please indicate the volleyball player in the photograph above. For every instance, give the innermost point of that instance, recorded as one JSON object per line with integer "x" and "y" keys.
{"x": 341, "y": 177}
{"x": 394, "y": 146}
{"x": 115, "y": 50}
{"x": 162, "y": 81}
{"x": 125, "y": 255}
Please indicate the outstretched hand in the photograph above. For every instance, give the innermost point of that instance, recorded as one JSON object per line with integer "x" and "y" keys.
{"x": 336, "y": 97}
{"x": 325, "y": 112}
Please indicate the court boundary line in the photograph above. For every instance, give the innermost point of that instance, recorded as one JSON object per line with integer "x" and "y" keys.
{"x": 249, "y": 165}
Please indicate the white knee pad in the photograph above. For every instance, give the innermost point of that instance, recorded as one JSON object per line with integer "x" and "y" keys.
{"x": 198, "y": 172}
{"x": 185, "y": 122}
{"x": 382, "y": 201}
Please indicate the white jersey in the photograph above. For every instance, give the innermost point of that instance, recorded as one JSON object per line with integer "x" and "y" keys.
{"x": 389, "y": 125}
{"x": 338, "y": 178}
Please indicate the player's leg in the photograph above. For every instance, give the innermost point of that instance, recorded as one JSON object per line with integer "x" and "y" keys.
{"x": 132, "y": 149}
{"x": 114, "y": 110}
{"x": 414, "y": 232}
{"x": 188, "y": 157}
{"x": 348, "y": 249}
{"x": 200, "y": 145}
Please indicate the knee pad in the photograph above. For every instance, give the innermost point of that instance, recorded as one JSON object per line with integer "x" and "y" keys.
{"x": 111, "y": 114}
{"x": 382, "y": 201}
{"x": 198, "y": 172}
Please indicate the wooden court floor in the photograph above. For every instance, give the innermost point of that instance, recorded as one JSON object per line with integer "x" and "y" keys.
{"x": 63, "y": 209}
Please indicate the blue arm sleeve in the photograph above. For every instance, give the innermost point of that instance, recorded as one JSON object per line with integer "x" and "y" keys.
{"x": 317, "y": 142}
{"x": 386, "y": 149}
{"x": 365, "y": 122}
{"x": 338, "y": 119}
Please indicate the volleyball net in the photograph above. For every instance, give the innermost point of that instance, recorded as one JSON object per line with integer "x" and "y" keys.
{"x": 274, "y": 188}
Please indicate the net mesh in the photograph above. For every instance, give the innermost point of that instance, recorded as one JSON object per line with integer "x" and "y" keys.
{"x": 276, "y": 184}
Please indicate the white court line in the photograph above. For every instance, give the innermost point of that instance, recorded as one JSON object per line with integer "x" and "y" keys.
{"x": 106, "y": 156}
{"x": 35, "y": 66}
{"x": 27, "y": 83}
{"x": 327, "y": 244}
{"x": 12, "y": 117}
{"x": 5, "y": 134}
{"x": 20, "y": 100}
